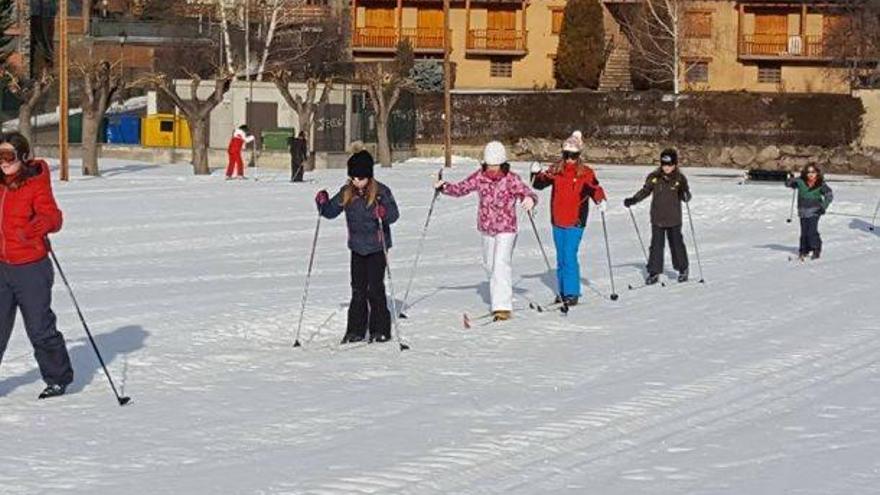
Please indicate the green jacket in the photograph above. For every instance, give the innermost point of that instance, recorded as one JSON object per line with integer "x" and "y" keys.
{"x": 812, "y": 202}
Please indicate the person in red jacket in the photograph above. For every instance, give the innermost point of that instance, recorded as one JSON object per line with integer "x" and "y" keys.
{"x": 29, "y": 213}
{"x": 235, "y": 167}
{"x": 573, "y": 184}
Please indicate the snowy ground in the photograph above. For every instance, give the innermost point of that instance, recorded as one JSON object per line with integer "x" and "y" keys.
{"x": 762, "y": 381}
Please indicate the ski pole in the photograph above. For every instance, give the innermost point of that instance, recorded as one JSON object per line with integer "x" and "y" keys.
{"x": 638, "y": 233}
{"x": 564, "y": 307}
{"x": 395, "y": 319}
{"x": 791, "y": 210}
{"x": 121, "y": 400}
{"x": 696, "y": 248}
{"x": 874, "y": 219}
{"x": 412, "y": 273}
{"x": 608, "y": 254}
{"x": 302, "y": 309}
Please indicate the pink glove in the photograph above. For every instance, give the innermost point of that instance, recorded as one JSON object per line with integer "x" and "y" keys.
{"x": 322, "y": 198}
{"x": 380, "y": 212}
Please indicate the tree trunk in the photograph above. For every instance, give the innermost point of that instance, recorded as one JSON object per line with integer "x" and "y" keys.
{"x": 200, "y": 140}
{"x": 90, "y": 124}
{"x": 384, "y": 150}
{"x": 24, "y": 121}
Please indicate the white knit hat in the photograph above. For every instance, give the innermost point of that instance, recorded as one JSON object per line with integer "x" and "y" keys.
{"x": 574, "y": 143}
{"x": 494, "y": 153}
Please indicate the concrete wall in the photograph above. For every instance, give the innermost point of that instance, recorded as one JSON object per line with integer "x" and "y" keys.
{"x": 871, "y": 119}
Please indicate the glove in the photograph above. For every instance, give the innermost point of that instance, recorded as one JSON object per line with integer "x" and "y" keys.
{"x": 537, "y": 168}
{"x": 322, "y": 198}
{"x": 629, "y": 202}
{"x": 602, "y": 206}
{"x": 528, "y": 203}
{"x": 379, "y": 212}
{"x": 439, "y": 185}
{"x": 686, "y": 196}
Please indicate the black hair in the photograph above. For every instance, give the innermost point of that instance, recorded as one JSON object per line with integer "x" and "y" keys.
{"x": 243, "y": 128}
{"x": 505, "y": 167}
{"x": 820, "y": 177}
{"x": 19, "y": 142}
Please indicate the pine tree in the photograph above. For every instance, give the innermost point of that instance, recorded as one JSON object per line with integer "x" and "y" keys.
{"x": 580, "y": 55}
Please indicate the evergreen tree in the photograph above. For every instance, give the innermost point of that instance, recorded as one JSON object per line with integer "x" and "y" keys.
{"x": 581, "y": 51}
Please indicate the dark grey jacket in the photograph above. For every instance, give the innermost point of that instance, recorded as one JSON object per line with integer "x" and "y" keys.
{"x": 668, "y": 192}
{"x": 363, "y": 227}
{"x": 812, "y": 202}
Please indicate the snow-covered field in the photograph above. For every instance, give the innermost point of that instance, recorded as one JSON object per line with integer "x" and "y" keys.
{"x": 764, "y": 380}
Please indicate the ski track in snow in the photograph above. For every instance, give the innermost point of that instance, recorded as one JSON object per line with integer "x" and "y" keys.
{"x": 762, "y": 380}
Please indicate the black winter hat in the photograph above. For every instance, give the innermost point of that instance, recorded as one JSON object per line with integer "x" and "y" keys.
{"x": 361, "y": 164}
{"x": 669, "y": 155}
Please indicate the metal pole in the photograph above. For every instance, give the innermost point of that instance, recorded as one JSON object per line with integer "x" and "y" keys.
{"x": 447, "y": 84}
{"x": 64, "y": 157}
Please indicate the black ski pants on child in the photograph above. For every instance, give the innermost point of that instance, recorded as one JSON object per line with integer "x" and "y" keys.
{"x": 368, "y": 308}
{"x": 676, "y": 247}
{"x": 28, "y": 288}
{"x": 810, "y": 238}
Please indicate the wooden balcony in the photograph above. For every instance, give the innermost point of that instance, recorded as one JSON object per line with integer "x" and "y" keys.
{"x": 782, "y": 47}
{"x": 497, "y": 42}
{"x": 384, "y": 40}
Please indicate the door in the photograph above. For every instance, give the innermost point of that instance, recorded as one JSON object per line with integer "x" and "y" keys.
{"x": 501, "y": 29}
{"x": 771, "y": 34}
{"x": 379, "y": 30}
{"x": 261, "y": 116}
{"x": 430, "y": 29}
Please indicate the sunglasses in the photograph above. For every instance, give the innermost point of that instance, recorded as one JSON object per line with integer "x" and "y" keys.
{"x": 8, "y": 156}
{"x": 570, "y": 155}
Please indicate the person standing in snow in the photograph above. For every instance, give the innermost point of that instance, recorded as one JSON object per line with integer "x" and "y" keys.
{"x": 367, "y": 204}
{"x": 240, "y": 138}
{"x": 29, "y": 214}
{"x": 299, "y": 151}
{"x": 574, "y": 182}
{"x": 669, "y": 188}
{"x": 814, "y": 198}
{"x": 499, "y": 189}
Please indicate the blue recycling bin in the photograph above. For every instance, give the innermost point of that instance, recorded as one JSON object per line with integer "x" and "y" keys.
{"x": 123, "y": 128}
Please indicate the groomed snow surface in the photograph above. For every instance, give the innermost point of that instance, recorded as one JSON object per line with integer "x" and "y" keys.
{"x": 764, "y": 380}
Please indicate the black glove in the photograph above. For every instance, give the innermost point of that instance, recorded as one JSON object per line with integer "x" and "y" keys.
{"x": 629, "y": 202}
{"x": 686, "y": 196}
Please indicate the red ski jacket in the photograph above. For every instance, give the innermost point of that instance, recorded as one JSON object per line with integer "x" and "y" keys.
{"x": 29, "y": 213}
{"x": 572, "y": 185}
{"x": 239, "y": 139}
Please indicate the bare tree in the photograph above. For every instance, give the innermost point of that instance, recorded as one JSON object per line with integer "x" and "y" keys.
{"x": 100, "y": 83}
{"x": 196, "y": 111}
{"x": 29, "y": 93}
{"x": 851, "y": 39}
{"x": 384, "y": 83}
{"x": 304, "y": 106}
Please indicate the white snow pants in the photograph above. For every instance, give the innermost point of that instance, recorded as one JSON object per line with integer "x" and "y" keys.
{"x": 497, "y": 254}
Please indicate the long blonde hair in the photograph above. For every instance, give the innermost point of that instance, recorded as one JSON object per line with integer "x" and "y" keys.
{"x": 350, "y": 192}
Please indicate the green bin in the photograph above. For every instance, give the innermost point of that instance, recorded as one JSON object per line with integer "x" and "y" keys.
{"x": 276, "y": 139}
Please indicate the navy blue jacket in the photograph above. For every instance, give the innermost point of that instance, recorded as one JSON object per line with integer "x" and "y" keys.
{"x": 363, "y": 227}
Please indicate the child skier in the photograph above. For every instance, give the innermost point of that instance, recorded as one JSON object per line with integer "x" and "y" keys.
{"x": 669, "y": 188}
{"x": 573, "y": 183}
{"x": 499, "y": 189}
{"x": 814, "y": 197}
{"x": 235, "y": 167}
{"x": 367, "y": 204}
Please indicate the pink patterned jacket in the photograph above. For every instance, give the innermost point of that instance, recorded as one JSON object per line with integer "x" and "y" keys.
{"x": 498, "y": 196}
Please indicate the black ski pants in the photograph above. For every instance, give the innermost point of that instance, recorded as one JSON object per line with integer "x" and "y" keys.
{"x": 368, "y": 308}
{"x": 297, "y": 167}
{"x": 676, "y": 247}
{"x": 810, "y": 238}
{"x": 28, "y": 288}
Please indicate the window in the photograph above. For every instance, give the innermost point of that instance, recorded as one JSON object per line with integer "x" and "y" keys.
{"x": 698, "y": 24}
{"x": 556, "y": 16}
{"x": 166, "y": 126}
{"x": 769, "y": 73}
{"x": 697, "y": 72}
{"x": 500, "y": 68}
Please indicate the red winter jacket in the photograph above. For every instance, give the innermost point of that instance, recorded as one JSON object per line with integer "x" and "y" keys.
{"x": 29, "y": 212}
{"x": 572, "y": 186}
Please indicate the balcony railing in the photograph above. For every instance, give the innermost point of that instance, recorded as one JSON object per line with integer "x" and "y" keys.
{"x": 386, "y": 38}
{"x": 781, "y": 46}
{"x": 134, "y": 31}
{"x": 497, "y": 41}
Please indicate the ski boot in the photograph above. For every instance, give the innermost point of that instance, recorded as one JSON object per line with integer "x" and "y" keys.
{"x": 352, "y": 338}
{"x": 53, "y": 390}
{"x": 500, "y": 315}
{"x": 683, "y": 276}
{"x": 652, "y": 279}
{"x": 570, "y": 300}
{"x": 816, "y": 254}
{"x": 382, "y": 337}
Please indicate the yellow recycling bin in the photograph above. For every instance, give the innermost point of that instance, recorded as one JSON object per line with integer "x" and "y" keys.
{"x": 165, "y": 130}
